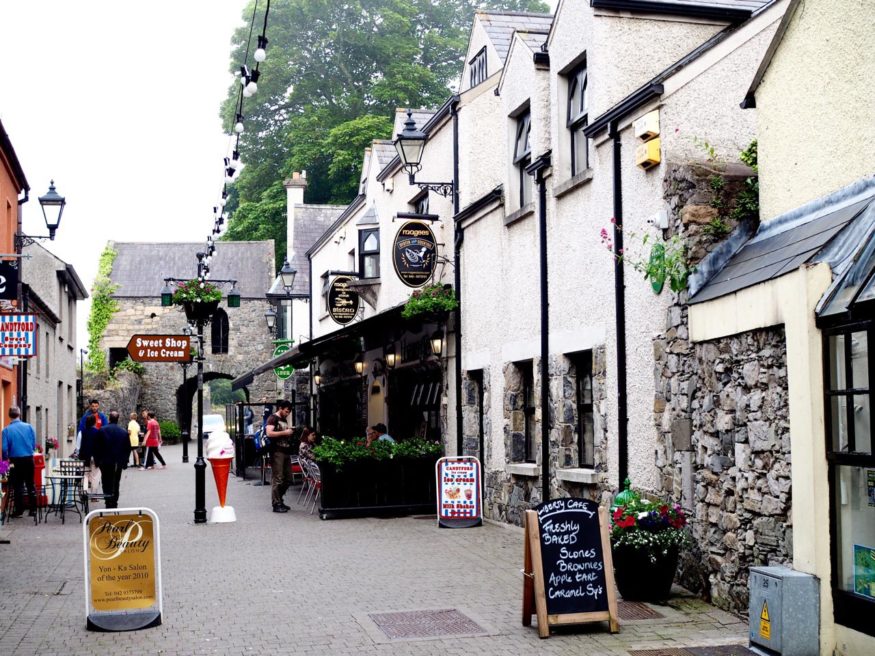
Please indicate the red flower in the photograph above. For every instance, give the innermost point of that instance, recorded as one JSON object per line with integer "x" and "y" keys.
{"x": 626, "y": 522}
{"x": 359, "y": 443}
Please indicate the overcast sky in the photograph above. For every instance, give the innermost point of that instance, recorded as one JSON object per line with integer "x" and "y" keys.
{"x": 118, "y": 102}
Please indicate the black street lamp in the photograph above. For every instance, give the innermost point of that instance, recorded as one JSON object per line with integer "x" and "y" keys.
{"x": 270, "y": 319}
{"x": 185, "y": 427}
{"x": 409, "y": 145}
{"x": 52, "y": 204}
{"x": 81, "y": 381}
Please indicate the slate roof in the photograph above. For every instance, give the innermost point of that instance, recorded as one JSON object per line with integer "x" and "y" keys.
{"x": 785, "y": 243}
{"x": 139, "y": 268}
{"x": 534, "y": 40}
{"x": 385, "y": 151}
{"x": 421, "y": 116}
{"x": 311, "y": 222}
{"x": 500, "y": 26}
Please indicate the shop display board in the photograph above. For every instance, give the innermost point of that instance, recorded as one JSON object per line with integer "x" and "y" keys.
{"x": 459, "y": 492}
{"x": 568, "y": 572}
{"x": 122, "y": 569}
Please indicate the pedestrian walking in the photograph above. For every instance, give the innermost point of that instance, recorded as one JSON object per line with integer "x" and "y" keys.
{"x": 280, "y": 434}
{"x": 93, "y": 410}
{"x": 89, "y": 454}
{"x": 153, "y": 442}
{"x": 19, "y": 443}
{"x": 134, "y": 437}
{"x": 114, "y": 446}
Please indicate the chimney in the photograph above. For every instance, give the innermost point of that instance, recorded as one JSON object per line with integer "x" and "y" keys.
{"x": 295, "y": 187}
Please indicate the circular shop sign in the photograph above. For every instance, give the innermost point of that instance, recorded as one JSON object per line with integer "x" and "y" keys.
{"x": 343, "y": 302}
{"x": 285, "y": 371}
{"x": 414, "y": 253}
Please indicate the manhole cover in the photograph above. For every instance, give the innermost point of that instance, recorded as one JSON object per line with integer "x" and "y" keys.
{"x": 426, "y": 624}
{"x": 635, "y": 610}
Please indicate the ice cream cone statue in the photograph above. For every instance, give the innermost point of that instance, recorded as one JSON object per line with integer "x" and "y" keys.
{"x": 220, "y": 453}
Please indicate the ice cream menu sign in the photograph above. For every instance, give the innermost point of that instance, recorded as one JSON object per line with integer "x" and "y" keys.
{"x": 122, "y": 567}
{"x": 459, "y": 492}
{"x": 569, "y": 574}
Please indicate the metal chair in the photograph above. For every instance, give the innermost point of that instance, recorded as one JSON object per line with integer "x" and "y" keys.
{"x": 315, "y": 480}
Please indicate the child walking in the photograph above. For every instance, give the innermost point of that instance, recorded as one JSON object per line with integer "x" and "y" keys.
{"x": 153, "y": 441}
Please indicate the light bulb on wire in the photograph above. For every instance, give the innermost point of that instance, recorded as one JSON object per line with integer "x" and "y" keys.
{"x": 261, "y": 52}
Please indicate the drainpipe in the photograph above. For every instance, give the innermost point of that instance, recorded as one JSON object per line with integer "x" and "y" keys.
{"x": 538, "y": 168}
{"x": 23, "y": 292}
{"x": 620, "y": 311}
{"x": 457, "y": 278}
{"x": 313, "y": 390}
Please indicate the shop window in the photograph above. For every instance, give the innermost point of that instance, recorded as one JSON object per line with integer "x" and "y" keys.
{"x": 369, "y": 253}
{"x": 477, "y": 68}
{"x": 578, "y": 119}
{"x": 219, "y": 332}
{"x": 522, "y": 157}
{"x": 585, "y": 417}
{"x": 848, "y": 412}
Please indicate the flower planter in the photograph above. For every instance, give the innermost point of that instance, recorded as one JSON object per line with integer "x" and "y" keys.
{"x": 374, "y": 488}
{"x": 197, "y": 311}
{"x": 639, "y": 578}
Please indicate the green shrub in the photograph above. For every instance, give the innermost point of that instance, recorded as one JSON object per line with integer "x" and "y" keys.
{"x": 339, "y": 452}
{"x": 128, "y": 365}
{"x": 170, "y": 432}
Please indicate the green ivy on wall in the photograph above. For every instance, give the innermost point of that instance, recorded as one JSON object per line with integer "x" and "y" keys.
{"x": 103, "y": 306}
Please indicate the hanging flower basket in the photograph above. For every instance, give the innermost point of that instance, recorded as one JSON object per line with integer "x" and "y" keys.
{"x": 200, "y": 311}
{"x": 432, "y": 302}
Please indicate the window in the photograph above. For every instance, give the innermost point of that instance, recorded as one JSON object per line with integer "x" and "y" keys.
{"x": 522, "y": 157}
{"x": 219, "y": 332}
{"x": 578, "y": 120}
{"x": 848, "y": 405}
{"x": 585, "y": 418}
{"x": 46, "y": 346}
{"x": 117, "y": 355}
{"x": 477, "y": 68}
{"x": 326, "y": 287}
{"x": 369, "y": 253}
{"x": 420, "y": 204}
{"x": 528, "y": 380}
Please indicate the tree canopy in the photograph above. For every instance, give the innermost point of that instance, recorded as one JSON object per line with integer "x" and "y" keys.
{"x": 335, "y": 73}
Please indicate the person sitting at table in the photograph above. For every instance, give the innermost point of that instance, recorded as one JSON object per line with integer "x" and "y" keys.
{"x": 377, "y": 433}
{"x": 19, "y": 443}
{"x": 88, "y": 453}
{"x": 308, "y": 441}
{"x": 114, "y": 446}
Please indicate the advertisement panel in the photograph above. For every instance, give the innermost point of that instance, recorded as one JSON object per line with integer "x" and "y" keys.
{"x": 18, "y": 335}
{"x": 414, "y": 253}
{"x": 343, "y": 302}
{"x": 460, "y": 492}
{"x": 122, "y": 569}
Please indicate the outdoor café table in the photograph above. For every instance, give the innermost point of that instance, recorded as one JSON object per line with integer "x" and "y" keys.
{"x": 65, "y": 490}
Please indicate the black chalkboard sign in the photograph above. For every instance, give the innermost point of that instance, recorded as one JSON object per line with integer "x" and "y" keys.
{"x": 568, "y": 565}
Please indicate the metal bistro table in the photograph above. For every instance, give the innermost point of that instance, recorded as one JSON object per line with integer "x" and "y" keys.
{"x": 66, "y": 491}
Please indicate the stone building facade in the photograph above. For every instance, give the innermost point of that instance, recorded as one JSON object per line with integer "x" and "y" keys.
{"x": 237, "y": 337}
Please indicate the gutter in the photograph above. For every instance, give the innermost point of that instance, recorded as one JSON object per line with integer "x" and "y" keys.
{"x": 537, "y": 169}
{"x": 457, "y": 277}
{"x": 628, "y": 105}
{"x": 714, "y": 12}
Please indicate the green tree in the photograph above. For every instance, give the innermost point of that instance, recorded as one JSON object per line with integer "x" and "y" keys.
{"x": 221, "y": 393}
{"x": 334, "y": 74}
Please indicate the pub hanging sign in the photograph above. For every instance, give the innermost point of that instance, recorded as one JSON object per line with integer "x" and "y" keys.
{"x": 343, "y": 302}
{"x": 414, "y": 253}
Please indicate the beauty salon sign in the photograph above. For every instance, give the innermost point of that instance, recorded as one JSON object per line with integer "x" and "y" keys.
{"x": 122, "y": 570}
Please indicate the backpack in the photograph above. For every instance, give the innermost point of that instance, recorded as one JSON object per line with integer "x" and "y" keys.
{"x": 262, "y": 441}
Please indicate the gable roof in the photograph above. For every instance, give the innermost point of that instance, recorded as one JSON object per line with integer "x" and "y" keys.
{"x": 750, "y": 101}
{"x": 8, "y": 153}
{"x": 139, "y": 268}
{"x": 385, "y": 152}
{"x": 311, "y": 222}
{"x": 500, "y": 26}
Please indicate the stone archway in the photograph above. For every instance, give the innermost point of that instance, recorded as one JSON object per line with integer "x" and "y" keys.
{"x": 185, "y": 394}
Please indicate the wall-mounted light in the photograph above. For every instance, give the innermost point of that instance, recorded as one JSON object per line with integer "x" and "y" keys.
{"x": 391, "y": 356}
{"x": 437, "y": 342}
{"x": 234, "y": 297}
{"x": 166, "y": 295}
{"x": 317, "y": 378}
{"x": 359, "y": 364}
{"x": 270, "y": 318}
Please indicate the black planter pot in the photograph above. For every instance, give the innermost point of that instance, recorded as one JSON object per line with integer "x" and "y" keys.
{"x": 200, "y": 311}
{"x": 639, "y": 578}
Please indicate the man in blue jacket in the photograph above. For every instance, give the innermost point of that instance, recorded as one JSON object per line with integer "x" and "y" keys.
{"x": 114, "y": 446}
{"x": 19, "y": 443}
{"x": 93, "y": 409}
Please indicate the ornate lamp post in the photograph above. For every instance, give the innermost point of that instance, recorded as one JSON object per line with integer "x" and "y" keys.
{"x": 185, "y": 432}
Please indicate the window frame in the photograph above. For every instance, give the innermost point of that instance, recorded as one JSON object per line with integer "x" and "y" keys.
{"x": 522, "y": 155}
{"x": 219, "y": 328}
{"x": 366, "y": 255}
{"x": 477, "y": 69}
{"x": 527, "y": 375}
{"x": 849, "y": 609}
{"x": 578, "y": 116}
{"x": 585, "y": 410}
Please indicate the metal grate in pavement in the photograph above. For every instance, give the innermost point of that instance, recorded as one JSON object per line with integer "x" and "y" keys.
{"x": 721, "y": 650}
{"x": 426, "y": 624}
{"x": 635, "y": 610}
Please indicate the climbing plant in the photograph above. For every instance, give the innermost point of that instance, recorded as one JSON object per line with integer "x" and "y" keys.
{"x": 103, "y": 306}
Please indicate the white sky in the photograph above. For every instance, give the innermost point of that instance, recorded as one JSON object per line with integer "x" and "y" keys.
{"x": 118, "y": 102}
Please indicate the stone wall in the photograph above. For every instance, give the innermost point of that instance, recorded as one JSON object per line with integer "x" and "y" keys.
{"x": 471, "y": 412}
{"x": 121, "y": 393}
{"x": 249, "y": 344}
{"x": 722, "y": 415}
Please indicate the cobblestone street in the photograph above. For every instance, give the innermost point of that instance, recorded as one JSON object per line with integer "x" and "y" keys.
{"x": 292, "y": 584}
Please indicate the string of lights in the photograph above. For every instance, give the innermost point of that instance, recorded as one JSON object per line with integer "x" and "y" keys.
{"x": 232, "y": 164}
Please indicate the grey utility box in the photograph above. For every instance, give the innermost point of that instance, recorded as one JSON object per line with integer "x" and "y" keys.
{"x": 784, "y": 611}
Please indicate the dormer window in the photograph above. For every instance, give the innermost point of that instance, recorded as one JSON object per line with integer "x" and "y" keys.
{"x": 420, "y": 204}
{"x": 369, "y": 253}
{"x": 578, "y": 119}
{"x": 477, "y": 68}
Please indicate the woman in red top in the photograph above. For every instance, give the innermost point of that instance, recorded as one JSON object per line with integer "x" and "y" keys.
{"x": 153, "y": 441}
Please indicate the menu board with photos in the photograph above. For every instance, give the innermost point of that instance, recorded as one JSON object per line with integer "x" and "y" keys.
{"x": 459, "y": 492}
{"x": 569, "y": 573}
